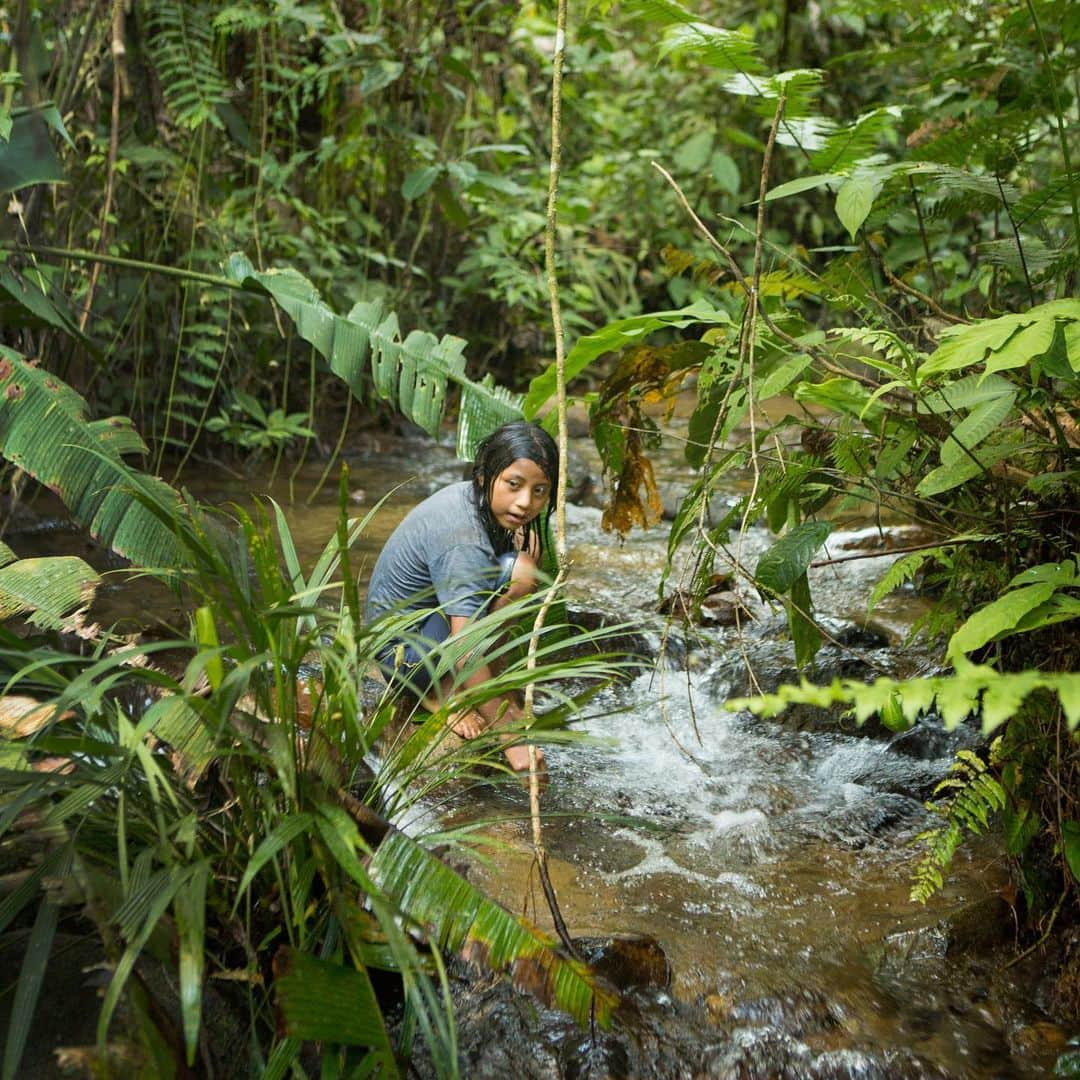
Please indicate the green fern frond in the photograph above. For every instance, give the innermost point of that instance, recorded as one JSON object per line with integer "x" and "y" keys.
{"x": 180, "y": 44}
{"x": 1035, "y": 255}
{"x": 720, "y": 49}
{"x": 929, "y": 874}
{"x": 887, "y": 344}
{"x": 947, "y": 190}
{"x": 239, "y": 18}
{"x": 851, "y": 453}
{"x": 901, "y": 572}
{"x": 957, "y": 695}
{"x": 960, "y": 144}
{"x": 976, "y": 795}
{"x": 205, "y": 346}
{"x": 851, "y": 145}
{"x": 1051, "y": 198}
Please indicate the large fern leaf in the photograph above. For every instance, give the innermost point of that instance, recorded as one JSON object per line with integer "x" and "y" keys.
{"x": 460, "y": 918}
{"x": 181, "y": 47}
{"x": 411, "y": 373}
{"x": 45, "y": 432}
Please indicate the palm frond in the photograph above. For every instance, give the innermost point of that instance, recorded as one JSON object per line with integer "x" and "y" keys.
{"x": 45, "y": 432}
{"x": 461, "y": 919}
{"x": 412, "y": 373}
{"x": 45, "y": 589}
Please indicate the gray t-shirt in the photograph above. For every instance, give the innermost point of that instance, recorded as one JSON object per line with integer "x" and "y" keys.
{"x": 439, "y": 555}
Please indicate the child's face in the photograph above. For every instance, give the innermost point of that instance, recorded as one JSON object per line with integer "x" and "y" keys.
{"x": 519, "y": 493}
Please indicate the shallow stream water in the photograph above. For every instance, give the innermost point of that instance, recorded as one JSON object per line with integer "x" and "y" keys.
{"x": 770, "y": 859}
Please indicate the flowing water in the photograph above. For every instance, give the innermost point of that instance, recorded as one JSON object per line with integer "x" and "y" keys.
{"x": 770, "y": 859}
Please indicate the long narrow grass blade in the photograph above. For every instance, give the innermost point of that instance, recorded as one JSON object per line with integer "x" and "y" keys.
{"x": 190, "y": 911}
{"x": 29, "y": 988}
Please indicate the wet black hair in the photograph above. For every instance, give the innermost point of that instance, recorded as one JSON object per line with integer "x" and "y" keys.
{"x": 519, "y": 439}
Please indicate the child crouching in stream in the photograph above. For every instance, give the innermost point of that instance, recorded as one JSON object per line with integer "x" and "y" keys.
{"x": 471, "y": 548}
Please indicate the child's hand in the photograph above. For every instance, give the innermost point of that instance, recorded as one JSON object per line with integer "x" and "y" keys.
{"x": 522, "y": 576}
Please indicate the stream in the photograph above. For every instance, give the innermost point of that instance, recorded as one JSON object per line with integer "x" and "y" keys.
{"x": 770, "y": 861}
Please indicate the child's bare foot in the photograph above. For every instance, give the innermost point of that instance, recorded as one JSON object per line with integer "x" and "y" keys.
{"x": 518, "y": 759}
{"x": 468, "y": 724}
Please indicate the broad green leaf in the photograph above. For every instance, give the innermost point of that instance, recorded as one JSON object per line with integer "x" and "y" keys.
{"x": 842, "y": 395}
{"x": 964, "y": 346}
{"x": 617, "y": 335}
{"x": 974, "y": 428}
{"x": 189, "y": 908}
{"x": 946, "y": 477}
{"x": 24, "y": 292}
{"x": 1023, "y": 346}
{"x": 786, "y": 561}
{"x": 418, "y": 182}
{"x": 1059, "y": 608}
{"x": 803, "y": 183}
{"x": 776, "y": 382}
{"x": 1070, "y": 841}
{"x": 28, "y": 156}
{"x": 1059, "y": 575}
{"x": 693, "y": 155}
{"x": 1021, "y": 825}
{"x": 966, "y": 393}
{"x": 1072, "y": 344}
{"x": 1068, "y": 691}
{"x": 725, "y": 172}
{"x": 997, "y": 617}
{"x": 854, "y": 201}
{"x": 805, "y": 635}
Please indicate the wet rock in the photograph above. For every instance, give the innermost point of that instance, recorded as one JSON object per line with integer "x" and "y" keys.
{"x": 767, "y": 1054}
{"x": 635, "y": 644}
{"x": 972, "y": 927}
{"x": 797, "y": 1011}
{"x": 1040, "y": 1041}
{"x": 627, "y": 960}
{"x": 927, "y": 740}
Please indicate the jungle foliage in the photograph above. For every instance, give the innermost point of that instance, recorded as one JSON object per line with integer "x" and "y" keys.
{"x": 852, "y": 230}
